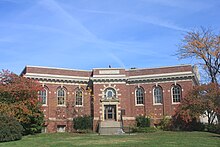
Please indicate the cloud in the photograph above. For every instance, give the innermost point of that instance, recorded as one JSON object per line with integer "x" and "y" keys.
{"x": 159, "y": 22}
{"x": 56, "y": 8}
{"x": 147, "y": 19}
{"x": 89, "y": 36}
{"x": 82, "y": 34}
{"x": 117, "y": 60}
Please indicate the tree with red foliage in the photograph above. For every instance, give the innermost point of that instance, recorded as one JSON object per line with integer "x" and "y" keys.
{"x": 19, "y": 99}
{"x": 203, "y": 45}
{"x": 201, "y": 100}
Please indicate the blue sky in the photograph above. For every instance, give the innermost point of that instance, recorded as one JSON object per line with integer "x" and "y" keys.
{"x": 86, "y": 34}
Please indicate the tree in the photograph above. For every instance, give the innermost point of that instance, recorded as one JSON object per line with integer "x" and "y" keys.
{"x": 19, "y": 99}
{"x": 204, "y": 45}
{"x": 200, "y": 100}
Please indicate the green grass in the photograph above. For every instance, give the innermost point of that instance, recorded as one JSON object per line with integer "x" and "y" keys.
{"x": 169, "y": 139}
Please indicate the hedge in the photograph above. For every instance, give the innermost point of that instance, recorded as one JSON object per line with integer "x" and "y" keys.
{"x": 142, "y": 121}
{"x": 83, "y": 123}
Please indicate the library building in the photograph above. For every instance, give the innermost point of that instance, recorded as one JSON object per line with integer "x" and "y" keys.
{"x": 111, "y": 96}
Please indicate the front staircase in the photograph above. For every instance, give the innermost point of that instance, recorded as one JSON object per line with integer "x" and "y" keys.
{"x": 110, "y": 127}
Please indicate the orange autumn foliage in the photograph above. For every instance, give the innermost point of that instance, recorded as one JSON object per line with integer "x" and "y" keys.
{"x": 19, "y": 99}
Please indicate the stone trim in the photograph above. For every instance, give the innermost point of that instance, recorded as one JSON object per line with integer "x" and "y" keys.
{"x": 128, "y": 118}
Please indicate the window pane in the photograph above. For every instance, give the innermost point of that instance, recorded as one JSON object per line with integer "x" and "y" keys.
{"x": 176, "y": 94}
{"x": 43, "y": 96}
{"x": 110, "y": 93}
{"x": 79, "y": 97}
{"x": 61, "y": 97}
{"x": 158, "y": 97}
{"x": 139, "y": 96}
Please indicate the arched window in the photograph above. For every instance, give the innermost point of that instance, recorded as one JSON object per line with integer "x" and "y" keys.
{"x": 79, "y": 97}
{"x": 61, "y": 97}
{"x": 42, "y": 95}
{"x": 139, "y": 93}
{"x": 110, "y": 93}
{"x": 176, "y": 93}
{"x": 158, "y": 95}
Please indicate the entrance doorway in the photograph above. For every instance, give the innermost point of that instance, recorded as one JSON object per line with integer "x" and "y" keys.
{"x": 110, "y": 112}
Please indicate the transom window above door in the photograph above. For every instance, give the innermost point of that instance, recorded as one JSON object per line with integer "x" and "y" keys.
{"x": 110, "y": 93}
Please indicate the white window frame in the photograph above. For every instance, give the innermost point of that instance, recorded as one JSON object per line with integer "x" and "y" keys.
{"x": 180, "y": 94}
{"x": 154, "y": 103}
{"x": 64, "y": 97}
{"x": 76, "y": 98}
{"x": 114, "y": 93}
{"x": 46, "y": 95}
{"x": 44, "y": 129}
{"x": 136, "y": 104}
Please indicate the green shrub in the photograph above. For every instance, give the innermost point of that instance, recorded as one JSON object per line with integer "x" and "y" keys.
{"x": 10, "y": 129}
{"x": 143, "y": 121}
{"x": 34, "y": 125}
{"x": 196, "y": 125}
{"x": 83, "y": 123}
{"x": 179, "y": 124}
{"x": 144, "y": 129}
{"x": 165, "y": 123}
{"x": 214, "y": 128}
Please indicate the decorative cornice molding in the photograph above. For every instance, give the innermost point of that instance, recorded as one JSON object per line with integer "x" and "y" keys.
{"x": 108, "y": 79}
{"x": 160, "y": 77}
{"x": 57, "y": 78}
{"x": 114, "y": 78}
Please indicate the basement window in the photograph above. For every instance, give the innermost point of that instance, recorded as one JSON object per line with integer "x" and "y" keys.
{"x": 61, "y": 128}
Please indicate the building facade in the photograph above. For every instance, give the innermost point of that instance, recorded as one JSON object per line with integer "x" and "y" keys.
{"x": 110, "y": 93}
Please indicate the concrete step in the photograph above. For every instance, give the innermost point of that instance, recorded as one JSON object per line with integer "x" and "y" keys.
{"x": 110, "y": 128}
{"x": 110, "y": 123}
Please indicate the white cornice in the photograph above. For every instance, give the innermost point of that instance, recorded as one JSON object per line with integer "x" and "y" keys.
{"x": 189, "y": 73}
{"x": 109, "y": 76}
{"x": 167, "y": 81}
{"x": 56, "y": 77}
{"x": 142, "y": 77}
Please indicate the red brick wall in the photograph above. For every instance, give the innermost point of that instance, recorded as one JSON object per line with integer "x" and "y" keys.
{"x": 59, "y": 115}
{"x": 63, "y": 113}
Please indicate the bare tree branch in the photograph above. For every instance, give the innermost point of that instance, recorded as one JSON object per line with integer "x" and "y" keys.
{"x": 202, "y": 44}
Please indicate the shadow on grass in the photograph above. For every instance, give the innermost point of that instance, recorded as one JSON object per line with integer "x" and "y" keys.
{"x": 216, "y": 136}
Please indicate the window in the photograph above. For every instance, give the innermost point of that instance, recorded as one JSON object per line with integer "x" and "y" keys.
{"x": 176, "y": 93}
{"x": 42, "y": 95}
{"x": 139, "y": 96}
{"x": 61, "y": 97}
{"x": 61, "y": 128}
{"x": 158, "y": 95}
{"x": 110, "y": 93}
{"x": 79, "y": 97}
{"x": 44, "y": 129}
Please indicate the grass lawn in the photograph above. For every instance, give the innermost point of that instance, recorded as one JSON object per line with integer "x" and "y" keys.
{"x": 160, "y": 138}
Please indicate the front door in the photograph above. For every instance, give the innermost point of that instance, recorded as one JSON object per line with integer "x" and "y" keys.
{"x": 110, "y": 112}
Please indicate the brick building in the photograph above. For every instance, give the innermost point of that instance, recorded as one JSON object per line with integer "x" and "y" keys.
{"x": 105, "y": 93}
